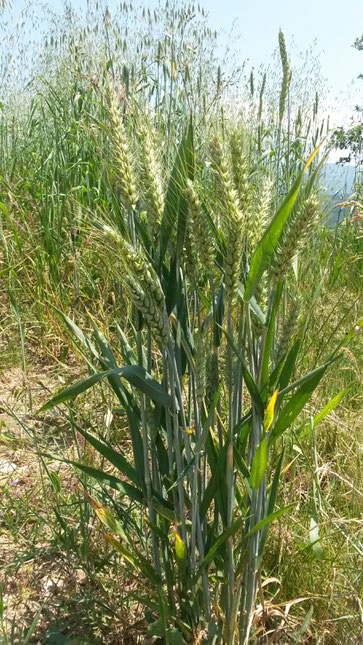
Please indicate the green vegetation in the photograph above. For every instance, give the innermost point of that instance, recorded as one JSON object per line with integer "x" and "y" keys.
{"x": 181, "y": 370}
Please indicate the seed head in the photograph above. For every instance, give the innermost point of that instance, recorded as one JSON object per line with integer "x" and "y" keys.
{"x": 202, "y": 245}
{"x": 240, "y": 175}
{"x": 139, "y": 279}
{"x": 150, "y": 174}
{"x": 297, "y": 231}
{"x": 135, "y": 264}
{"x": 286, "y": 75}
{"x": 121, "y": 153}
{"x": 232, "y": 221}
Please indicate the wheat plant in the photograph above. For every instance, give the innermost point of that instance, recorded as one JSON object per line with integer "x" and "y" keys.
{"x": 207, "y": 444}
{"x": 171, "y": 237}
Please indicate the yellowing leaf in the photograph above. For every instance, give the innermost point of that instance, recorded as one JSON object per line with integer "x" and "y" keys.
{"x": 180, "y": 550}
{"x": 270, "y": 411}
{"x": 103, "y": 514}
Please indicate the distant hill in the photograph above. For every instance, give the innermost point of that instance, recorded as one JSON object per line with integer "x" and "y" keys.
{"x": 338, "y": 182}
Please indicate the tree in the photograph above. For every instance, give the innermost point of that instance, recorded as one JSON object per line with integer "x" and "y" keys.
{"x": 351, "y": 138}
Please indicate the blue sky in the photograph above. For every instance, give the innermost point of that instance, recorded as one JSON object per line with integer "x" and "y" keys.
{"x": 327, "y": 27}
{"x": 333, "y": 24}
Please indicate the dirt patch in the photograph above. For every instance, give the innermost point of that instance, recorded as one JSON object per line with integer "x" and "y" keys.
{"x": 47, "y": 568}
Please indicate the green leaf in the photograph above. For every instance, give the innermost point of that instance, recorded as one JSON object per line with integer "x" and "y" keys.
{"x": 134, "y": 374}
{"x": 289, "y": 364}
{"x": 304, "y": 378}
{"x": 241, "y": 464}
{"x": 219, "y": 314}
{"x": 174, "y": 637}
{"x": 214, "y": 481}
{"x": 329, "y": 406}
{"x": 115, "y": 483}
{"x": 12, "y": 226}
{"x": 173, "y": 286}
{"x": 156, "y": 628}
{"x": 73, "y": 391}
{"x": 167, "y": 513}
{"x": 184, "y": 473}
{"x": 253, "y": 305}
{"x": 259, "y": 464}
{"x": 185, "y": 344}
{"x": 175, "y": 210}
{"x": 32, "y": 627}
{"x": 126, "y": 349}
{"x": 207, "y": 423}
{"x": 269, "y": 339}
{"x": 117, "y": 459}
{"x": 306, "y": 622}
{"x": 77, "y": 332}
{"x": 214, "y": 454}
{"x": 270, "y": 518}
{"x": 221, "y": 539}
{"x": 54, "y": 480}
{"x": 106, "y": 351}
{"x": 188, "y": 173}
{"x": 297, "y": 402}
{"x": 107, "y": 361}
{"x": 267, "y": 246}
{"x": 170, "y": 636}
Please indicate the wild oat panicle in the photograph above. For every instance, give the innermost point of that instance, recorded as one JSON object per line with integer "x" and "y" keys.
{"x": 262, "y": 90}
{"x": 286, "y": 75}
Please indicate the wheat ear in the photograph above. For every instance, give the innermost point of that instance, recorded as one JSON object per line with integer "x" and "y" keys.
{"x": 121, "y": 153}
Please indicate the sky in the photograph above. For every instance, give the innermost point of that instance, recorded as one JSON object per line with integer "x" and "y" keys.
{"x": 332, "y": 24}
{"x": 326, "y": 27}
